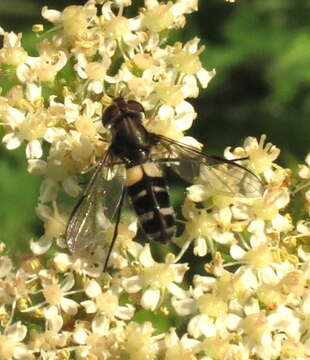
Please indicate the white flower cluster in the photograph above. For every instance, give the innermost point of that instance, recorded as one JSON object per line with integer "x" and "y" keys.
{"x": 251, "y": 301}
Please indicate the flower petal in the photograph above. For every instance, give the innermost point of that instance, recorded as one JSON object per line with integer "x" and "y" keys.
{"x": 34, "y": 149}
{"x": 150, "y": 299}
{"x": 133, "y": 284}
{"x": 69, "y": 306}
{"x": 12, "y": 141}
{"x": 92, "y": 288}
{"x": 16, "y": 331}
{"x": 40, "y": 247}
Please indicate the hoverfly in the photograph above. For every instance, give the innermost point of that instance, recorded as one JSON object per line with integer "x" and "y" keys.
{"x": 130, "y": 166}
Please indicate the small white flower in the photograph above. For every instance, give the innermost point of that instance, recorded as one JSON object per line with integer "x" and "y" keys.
{"x": 105, "y": 303}
{"x": 287, "y": 321}
{"x": 261, "y": 155}
{"x": 12, "y": 52}
{"x": 54, "y": 320}
{"x": 54, "y": 227}
{"x": 304, "y": 170}
{"x": 172, "y": 121}
{"x": 56, "y": 295}
{"x": 42, "y": 68}
{"x": 87, "y": 262}
{"x": 11, "y": 346}
{"x": 201, "y": 325}
{"x": 26, "y": 128}
{"x": 182, "y": 349}
{"x": 154, "y": 279}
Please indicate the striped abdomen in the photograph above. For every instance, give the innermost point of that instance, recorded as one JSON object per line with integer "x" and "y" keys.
{"x": 149, "y": 194}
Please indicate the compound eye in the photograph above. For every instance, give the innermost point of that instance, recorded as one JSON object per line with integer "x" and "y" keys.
{"x": 135, "y": 106}
{"x": 109, "y": 114}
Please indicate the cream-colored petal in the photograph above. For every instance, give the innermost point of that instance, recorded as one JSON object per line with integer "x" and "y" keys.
{"x": 150, "y": 299}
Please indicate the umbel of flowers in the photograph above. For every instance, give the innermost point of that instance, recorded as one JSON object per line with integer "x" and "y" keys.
{"x": 251, "y": 300}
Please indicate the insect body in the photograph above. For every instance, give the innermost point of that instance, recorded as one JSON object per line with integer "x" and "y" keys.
{"x": 130, "y": 166}
{"x": 149, "y": 194}
{"x": 132, "y": 144}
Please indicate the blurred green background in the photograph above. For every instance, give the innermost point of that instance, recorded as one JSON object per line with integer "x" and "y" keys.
{"x": 261, "y": 52}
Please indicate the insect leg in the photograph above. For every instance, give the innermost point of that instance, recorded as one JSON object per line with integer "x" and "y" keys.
{"x": 118, "y": 217}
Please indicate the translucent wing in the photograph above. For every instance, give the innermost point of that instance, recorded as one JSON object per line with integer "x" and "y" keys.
{"x": 95, "y": 210}
{"x": 220, "y": 175}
